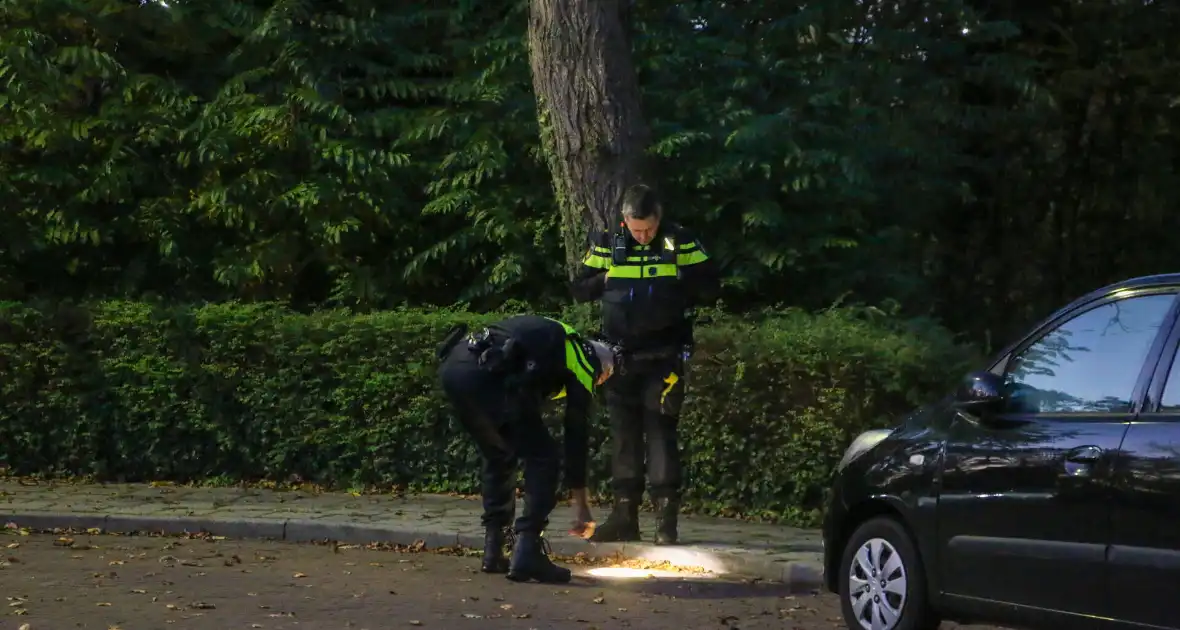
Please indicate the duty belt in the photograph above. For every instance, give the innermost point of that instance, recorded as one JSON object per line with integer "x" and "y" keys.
{"x": 683, "y": 351}
{"x": 655, "y": 353}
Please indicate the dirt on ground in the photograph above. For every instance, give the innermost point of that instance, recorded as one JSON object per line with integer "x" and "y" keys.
{"x": 109, "y": 582}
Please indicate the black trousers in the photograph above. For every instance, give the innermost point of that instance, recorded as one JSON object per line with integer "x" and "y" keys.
{"x": 644, "y": 404}
{"x": 507, "y": 428}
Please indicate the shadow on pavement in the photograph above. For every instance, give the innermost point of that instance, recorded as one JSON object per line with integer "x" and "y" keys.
{"x": 690, "y": 588}
{"x": 796, "y": 546}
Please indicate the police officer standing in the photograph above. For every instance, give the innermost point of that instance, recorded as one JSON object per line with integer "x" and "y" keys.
{"x": 649, "y": 273}
{"x": 498, "y": 379}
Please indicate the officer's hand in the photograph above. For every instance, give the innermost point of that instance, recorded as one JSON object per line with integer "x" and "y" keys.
{"x": 606, "y": 373}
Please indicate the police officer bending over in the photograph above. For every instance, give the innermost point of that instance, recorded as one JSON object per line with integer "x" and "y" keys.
{"x": 498, "y": 379}
{"x": 648, "y": 274}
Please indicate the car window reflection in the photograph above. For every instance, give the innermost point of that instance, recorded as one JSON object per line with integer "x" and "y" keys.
{"x": 1090, "y": 363}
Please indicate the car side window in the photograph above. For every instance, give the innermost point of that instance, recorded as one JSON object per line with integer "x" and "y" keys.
{"x": 1089, "y": 363}
{"x": 1170, "y": 399}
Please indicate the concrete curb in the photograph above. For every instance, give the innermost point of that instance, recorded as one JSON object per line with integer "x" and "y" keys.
{"x": 798, "y": 576}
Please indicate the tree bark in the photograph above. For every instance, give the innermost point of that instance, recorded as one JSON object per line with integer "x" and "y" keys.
{"x": 592, "y": 129}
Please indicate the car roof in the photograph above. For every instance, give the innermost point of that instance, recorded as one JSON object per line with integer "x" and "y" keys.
{"x": 1130, "y": 284}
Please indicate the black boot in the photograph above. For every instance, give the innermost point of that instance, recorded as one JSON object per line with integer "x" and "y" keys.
{"x": 529, "y": 562}
{"x": 494, "y": 560}
{"x": 667, "y": 516}
{"x": 622, "y": 525}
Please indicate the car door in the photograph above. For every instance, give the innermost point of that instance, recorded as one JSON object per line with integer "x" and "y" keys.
{"x": 1024, "y": 502}
{"x": 1143, "y": 562}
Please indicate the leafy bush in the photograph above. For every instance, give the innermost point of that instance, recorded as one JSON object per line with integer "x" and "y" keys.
{"x": 133, "y": 391}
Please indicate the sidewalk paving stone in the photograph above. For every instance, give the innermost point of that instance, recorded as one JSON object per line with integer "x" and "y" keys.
{"x": 772, "y": 552}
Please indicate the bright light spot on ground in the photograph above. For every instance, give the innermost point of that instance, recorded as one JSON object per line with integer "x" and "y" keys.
{"x": 624, "y": 573}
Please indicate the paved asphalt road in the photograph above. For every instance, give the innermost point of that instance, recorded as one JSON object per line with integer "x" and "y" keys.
{"x": 136, "y": 583}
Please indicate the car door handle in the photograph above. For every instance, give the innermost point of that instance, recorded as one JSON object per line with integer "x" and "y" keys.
{"x": 1083, "y": 455}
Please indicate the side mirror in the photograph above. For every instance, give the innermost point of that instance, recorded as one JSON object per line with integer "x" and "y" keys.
{"x": 980, "y": 391}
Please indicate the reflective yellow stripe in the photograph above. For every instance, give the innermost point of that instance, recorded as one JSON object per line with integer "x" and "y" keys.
{"x": 640, "y": 266}
{"x": 658, "y": 270}
{"x": 561, "y": 394}
{"x": 576, "y": 362}
{"x": 582, "y": 359}
{"x": 569, "y": 330}
{"x": 597, "y": 257}
{"x": 671, "y": 381}
{"x": 596, "y": 261}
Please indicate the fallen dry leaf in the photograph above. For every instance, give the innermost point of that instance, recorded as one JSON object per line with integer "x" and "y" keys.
{"x": 300, "y": 575}
{"x": 24, "y": 626}
{"x": 103, "y": 604}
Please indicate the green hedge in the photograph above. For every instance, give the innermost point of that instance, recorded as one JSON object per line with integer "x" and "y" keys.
{"x": 231, "y": 392}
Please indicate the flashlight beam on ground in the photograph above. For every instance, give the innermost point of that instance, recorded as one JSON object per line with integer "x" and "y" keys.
{"x": 628, "y": 573}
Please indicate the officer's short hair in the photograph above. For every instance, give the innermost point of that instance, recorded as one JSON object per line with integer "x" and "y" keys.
{"x": 641, "y": 202}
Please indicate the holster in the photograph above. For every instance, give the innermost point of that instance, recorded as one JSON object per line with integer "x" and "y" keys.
{"x": 450, "y": 341}
{"x": 503, "y": 357}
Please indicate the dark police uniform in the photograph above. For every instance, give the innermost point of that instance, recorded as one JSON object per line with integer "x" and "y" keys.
{"x": 498, "y": 379}
{"x": 647, "y": 292}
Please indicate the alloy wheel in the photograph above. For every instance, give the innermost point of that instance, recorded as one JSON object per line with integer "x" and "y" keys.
{"x": 877, "y": 585}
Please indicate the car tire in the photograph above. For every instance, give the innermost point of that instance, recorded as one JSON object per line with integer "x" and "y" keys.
{"x": 894, "y": 580}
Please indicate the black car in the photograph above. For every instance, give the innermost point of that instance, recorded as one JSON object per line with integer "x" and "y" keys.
{"x": 1044, "y": 493}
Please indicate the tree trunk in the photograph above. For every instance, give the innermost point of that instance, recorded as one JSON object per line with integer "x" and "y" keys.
{"x": 592, "y": 127}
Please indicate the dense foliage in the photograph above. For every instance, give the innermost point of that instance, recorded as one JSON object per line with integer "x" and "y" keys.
{"x": 975, "y": 161}
{"x": 129, "y": 391}
{"x": 966, "y": 162}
